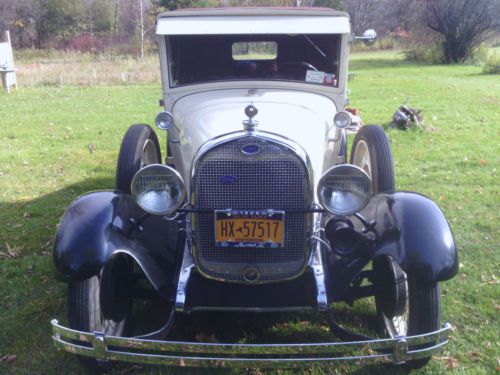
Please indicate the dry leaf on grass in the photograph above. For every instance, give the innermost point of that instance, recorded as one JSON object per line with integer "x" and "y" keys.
{"x": 11, "y": 252}
{"x": 493, "y": 280}
{"x": 449, "y": 362}
{"x": 474, "y": 355}
{"x": 8, "y": 358}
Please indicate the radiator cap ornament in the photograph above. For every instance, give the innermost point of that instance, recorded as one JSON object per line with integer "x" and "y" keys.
{"x": 251, "y": 112}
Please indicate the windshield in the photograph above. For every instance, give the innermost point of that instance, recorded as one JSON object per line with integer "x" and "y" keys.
{"x": 211, "y": 58}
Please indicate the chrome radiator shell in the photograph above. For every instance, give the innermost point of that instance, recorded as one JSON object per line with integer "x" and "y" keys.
{"x": 276, "y": 177}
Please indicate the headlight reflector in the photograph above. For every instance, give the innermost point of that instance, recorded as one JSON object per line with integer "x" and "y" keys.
{"x": 342, "y": 120}
{"x": 158, "y": 189}
{"x": 344, "y": 189}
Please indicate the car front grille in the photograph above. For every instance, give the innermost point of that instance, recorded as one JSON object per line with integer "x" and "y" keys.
{"x": 270, "y": 177}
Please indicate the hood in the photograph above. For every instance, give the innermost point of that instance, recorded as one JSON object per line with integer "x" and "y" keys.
{"x": 304, "y": 118}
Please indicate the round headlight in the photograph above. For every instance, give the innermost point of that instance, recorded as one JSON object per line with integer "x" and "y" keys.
{"x": 342, "y": 120}
{"x": 164, "y": 120}
{"x": 158, "y": 189}
{"x": 344, "y": 189}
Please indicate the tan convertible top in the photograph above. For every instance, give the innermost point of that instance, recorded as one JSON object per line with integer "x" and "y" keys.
{"x": 248, "y": 11}
{"x": 220, "y": 21}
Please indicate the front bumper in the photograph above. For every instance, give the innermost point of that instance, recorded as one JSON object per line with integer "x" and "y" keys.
{"x": 395, "y": 350}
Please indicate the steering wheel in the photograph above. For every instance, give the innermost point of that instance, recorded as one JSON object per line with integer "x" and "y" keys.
{"x": 295, "y": 69}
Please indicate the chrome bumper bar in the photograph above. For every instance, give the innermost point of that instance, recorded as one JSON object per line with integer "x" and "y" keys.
{"x": 98, "y": 345}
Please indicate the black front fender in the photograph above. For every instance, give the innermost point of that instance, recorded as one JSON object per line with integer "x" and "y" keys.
{"x": 409, "y": 227}
{"x": 97, "y": 226}
{"x": 414, "y": 231}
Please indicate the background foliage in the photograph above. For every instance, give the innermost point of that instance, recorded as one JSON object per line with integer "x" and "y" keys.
{"x": 437, "y": 31}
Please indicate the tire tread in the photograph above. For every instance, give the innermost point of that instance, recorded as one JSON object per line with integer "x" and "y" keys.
{"x": 130, "y": 154}
{"x": 380, "y": 151}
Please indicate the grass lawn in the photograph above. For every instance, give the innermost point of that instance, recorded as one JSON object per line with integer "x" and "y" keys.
{"x": 59, "y": 142}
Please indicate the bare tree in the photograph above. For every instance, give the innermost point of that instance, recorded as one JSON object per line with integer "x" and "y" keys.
{"x": 91, "y": 24}
{"x": 464, "y": 24}
{"x": 141, "y": 22}
{"x": 7, "y": 14}
{"x": 116, "y": 18}
{"x": 363, "y": 14}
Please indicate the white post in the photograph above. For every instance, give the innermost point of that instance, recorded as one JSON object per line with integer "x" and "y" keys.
{"x": 7, "y": 70}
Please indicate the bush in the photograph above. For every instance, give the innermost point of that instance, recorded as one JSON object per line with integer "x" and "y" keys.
{"x": 431, "y": 52}
{"x": 381, "y": 44}
{"x": 492, "y": 65}
{"x": 478, "y": 55}
{"x": 422, "y": 53}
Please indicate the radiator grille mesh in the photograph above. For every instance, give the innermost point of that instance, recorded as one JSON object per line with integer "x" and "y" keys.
{"x": 273, "y": 178}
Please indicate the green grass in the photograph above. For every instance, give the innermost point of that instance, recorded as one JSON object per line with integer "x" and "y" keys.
{"x": 58, "y": 143}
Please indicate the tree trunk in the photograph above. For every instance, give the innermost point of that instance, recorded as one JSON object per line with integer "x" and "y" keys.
{"x": 141, "y": 11}
{"x": 116, "y": 18}
{"x": 91, "y": 25}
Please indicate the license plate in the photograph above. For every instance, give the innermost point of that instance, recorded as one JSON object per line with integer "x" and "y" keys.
{"x": 240, "y": 228}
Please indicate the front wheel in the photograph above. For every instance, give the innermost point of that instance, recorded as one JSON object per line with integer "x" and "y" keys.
{"x": 140, "y": 147}
{"x": 372, "y": 153}
{"x": 85, "y": 314}
{"x": 406, "y": 305}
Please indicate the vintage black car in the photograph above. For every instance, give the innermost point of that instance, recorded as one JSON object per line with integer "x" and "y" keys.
{"x": 257, "y": 207}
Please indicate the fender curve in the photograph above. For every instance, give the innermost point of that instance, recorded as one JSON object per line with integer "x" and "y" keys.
{"x": 414, "y": 230}
{"x": 93, "y": 229}
{"x": 409, "y": 227}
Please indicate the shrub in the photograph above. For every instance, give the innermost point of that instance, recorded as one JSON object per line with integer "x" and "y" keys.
{"x": 385, "y": 43}
{"x": 478, "y": 55}
{"x": 422, "y": 53}
{"x": 492, "y": 65}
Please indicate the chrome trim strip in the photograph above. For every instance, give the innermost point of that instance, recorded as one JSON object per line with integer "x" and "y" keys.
{"x": 319, "y": 277}
{"x": 395, "y": 350}
{"x": 185, "y": 273}
{"x": 252, "y": 309}
{"x": 316, "y": 264}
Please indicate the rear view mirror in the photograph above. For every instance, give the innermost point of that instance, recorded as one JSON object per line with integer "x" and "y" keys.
{"x": 369, "y": 37}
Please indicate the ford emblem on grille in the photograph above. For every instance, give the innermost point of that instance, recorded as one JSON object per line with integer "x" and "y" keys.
{"x": 250, "y": 149}
{"x": 227, "y": 180}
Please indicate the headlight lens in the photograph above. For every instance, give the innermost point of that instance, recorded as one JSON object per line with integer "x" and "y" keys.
{"x": 158, "y": 189}
{"x": 164, "y": 120}
{"x": 342, "y": 120}
{"x": 344, "y": 189}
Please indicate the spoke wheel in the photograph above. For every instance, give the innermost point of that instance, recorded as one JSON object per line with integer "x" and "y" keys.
{"x": 405, "y": 304}
{"x": 85, "y": 314}
{"x": 140, "y": 147}
{"x": 393, "y": 304}
{"x": 149, "y": 153}
{"x": 361, "y": 157}
{"x": 372, "y": 153}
